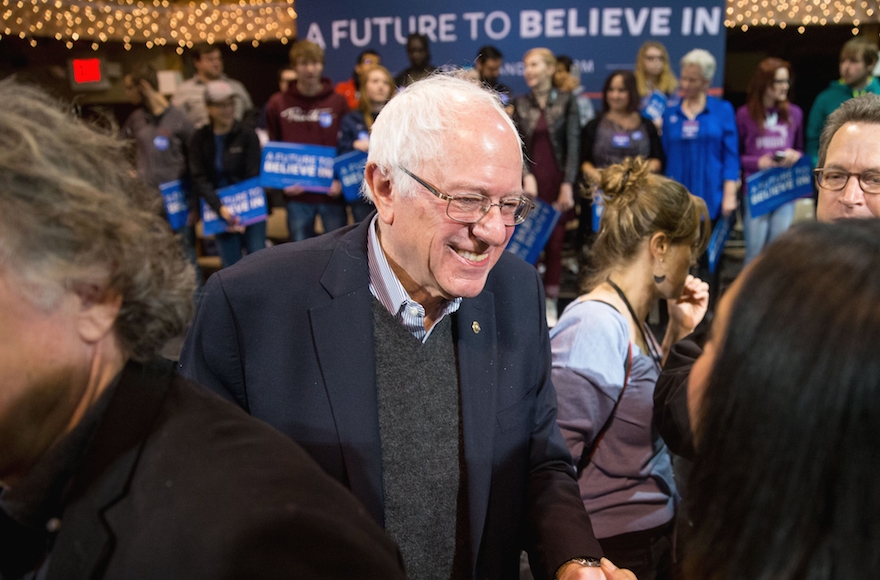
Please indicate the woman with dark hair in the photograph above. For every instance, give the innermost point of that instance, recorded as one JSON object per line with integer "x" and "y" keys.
{"x": 606, "y": 361}
{"x": 355, "y": 127}
{"x": 785, "y": 401}
{"x": 619, "y": 131}
{"x": 771, "y": 134}
{"x": 548, "y": 121}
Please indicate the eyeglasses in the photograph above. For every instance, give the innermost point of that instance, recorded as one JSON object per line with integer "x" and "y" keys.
{"x": 836, "y": 180}
{"x": 469, "y": 208}
{"x": 781, "y": 81}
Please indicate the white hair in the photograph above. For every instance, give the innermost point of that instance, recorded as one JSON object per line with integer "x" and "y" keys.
{"x": 703, "y": 59}
{"x": 414, "y": 126}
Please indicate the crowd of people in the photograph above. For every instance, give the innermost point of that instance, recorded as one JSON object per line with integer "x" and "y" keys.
{"x": 394, "y": 398}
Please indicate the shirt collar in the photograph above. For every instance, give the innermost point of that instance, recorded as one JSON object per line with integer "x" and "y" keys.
{"x": 388, "y": 290}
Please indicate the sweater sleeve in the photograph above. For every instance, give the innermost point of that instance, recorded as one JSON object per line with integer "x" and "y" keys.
{"x": 589, "y": 346}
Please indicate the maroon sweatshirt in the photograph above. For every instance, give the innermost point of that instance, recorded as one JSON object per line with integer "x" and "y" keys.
{"x": 295, "y": 118}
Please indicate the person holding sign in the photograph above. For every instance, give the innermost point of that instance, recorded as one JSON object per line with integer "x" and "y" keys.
{"x": 309, "y": 113}
{"x": 549, "y": 123}
{"x": 223, "y": 153}
{"x": 655, "y": 81}
{"x": 771, "y": 134}
{"x": 702, "y": 148}
{"x": 354, "y": 132}
{"x": 606, "y": 360}
{"x": 620, "y": 131}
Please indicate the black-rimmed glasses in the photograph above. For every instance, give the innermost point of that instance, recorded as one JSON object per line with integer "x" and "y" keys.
{"x": 836, "y": 179}
{"x": 469, "y": 208}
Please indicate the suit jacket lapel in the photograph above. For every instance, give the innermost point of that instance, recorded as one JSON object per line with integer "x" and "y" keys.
{"x": 85, "y": 541}
{"x": 477, "y": 353}
{"x": 343, "y": 334}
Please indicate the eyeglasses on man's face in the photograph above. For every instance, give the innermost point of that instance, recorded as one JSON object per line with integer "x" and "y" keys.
{"x": 469, "y": 208}
{"x": 836, "y": 179}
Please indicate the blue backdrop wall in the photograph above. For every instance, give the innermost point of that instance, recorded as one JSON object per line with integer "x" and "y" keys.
{"x": 600, "y": 36}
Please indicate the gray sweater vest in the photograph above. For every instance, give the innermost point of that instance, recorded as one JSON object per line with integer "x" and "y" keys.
{"x": 423, "y": 473}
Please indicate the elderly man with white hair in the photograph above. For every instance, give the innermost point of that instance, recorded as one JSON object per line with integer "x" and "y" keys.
{"x": 409, "y": 354}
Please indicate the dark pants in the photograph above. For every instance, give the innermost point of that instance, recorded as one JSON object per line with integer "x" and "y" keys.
{"x": 647, "y": 553}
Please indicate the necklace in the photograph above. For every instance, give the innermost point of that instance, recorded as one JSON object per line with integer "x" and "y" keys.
{"x": 655, "y": 356}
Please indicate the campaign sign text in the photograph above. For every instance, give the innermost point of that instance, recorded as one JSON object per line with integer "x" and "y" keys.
{"x": 531, "y": 236}
{"x": 174, "y": 197}
{"x": 772, "y": 188}
{"x": 719, "y": 237}
{"x": 310, "y": 166}
{"x": 246, "y": 199}
{"x": 350, "y": 171}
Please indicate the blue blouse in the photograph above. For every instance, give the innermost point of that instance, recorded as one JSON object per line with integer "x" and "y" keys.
{"x": 704, "y": 153}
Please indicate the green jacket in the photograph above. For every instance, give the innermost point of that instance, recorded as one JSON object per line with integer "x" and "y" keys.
{"x": 826, "y": 103}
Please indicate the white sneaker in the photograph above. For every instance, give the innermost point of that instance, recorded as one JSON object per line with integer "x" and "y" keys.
{"x": 552, "y": 314}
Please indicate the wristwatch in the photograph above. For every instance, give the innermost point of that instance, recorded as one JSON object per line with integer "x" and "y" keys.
{"x": 587, "y": 562}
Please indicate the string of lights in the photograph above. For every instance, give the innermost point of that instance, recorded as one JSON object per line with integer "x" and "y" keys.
{"x": 153, "y": 22}
{"x": 181, "y": 23}
{"x": 801, "y": 13}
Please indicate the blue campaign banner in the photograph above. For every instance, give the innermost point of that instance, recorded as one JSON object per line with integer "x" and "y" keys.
{"x": 598, "y": 208}
{"x": 310, "y": 166}
{"x": 656, "y": 106}
{"x": 600, "y": 36}
{"x": 174, "y": 197}
{"x": 245, "y": 199}
{"x": 719, "y": 236}
{"x": 772, "y": 188}
{"x": 531, "y": 236}
{"x": 350, "y": 170}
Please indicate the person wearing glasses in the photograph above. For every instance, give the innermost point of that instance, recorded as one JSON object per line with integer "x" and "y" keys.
{"x": 409, "y": 353}
{"x": 771, "y": 134}
{"x": 848, "y": 180}
{"x": 850, "y": 148}
{"x": 606, "y": 360}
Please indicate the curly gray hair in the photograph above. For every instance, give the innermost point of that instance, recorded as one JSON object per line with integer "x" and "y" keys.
{"x": 74, "y": 217}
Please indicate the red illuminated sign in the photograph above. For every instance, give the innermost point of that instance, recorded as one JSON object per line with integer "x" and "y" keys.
{"x": 86, "y": 70}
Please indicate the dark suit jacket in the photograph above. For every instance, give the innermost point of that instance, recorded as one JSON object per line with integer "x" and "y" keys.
{"x": 177, "y": 483}
{"x": 288, "y": 335}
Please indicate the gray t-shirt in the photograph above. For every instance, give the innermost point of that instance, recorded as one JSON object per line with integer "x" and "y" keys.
{"x": 627, "y": 485}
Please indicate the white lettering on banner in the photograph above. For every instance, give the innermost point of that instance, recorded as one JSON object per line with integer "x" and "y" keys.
{"x": 427, "y": 25}
{"x": 660, "y": 21}
{"x": 447, "y": 28}
{"x": 611, "y": 22}
{"x": 314, "y": 35}
{"x": 496, "y": 25}
{"x": 505, "y": 25}
{"x": 573, "y": 28}
{"x": 175, "y": 206}
{"x": 704, "y": 22}
{"x": 297, "y": 115}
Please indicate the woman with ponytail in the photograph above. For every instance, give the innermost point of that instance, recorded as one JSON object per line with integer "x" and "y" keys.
{"x": 606, "y": 361}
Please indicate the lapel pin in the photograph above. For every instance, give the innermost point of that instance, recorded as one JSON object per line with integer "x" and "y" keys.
{"x": 476, "y": 327}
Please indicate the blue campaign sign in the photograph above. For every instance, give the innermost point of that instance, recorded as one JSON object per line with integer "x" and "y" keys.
{"x": 245, "y": 199}
{"x": 772, "y": 188}
{"x": 531, "y": 236}
{"x": 719, "y": 236}
{"x": 350, "y": 170}
{"x": 174, "y": 197}
{"x": 656, "y": 106}
{"x": 310, "y": 166}
{"x": 600, "y": 36}
{"x": 598, "y": 208}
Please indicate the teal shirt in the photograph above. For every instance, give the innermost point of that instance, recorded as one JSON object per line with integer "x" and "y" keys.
{"x": 837, "y": 93}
